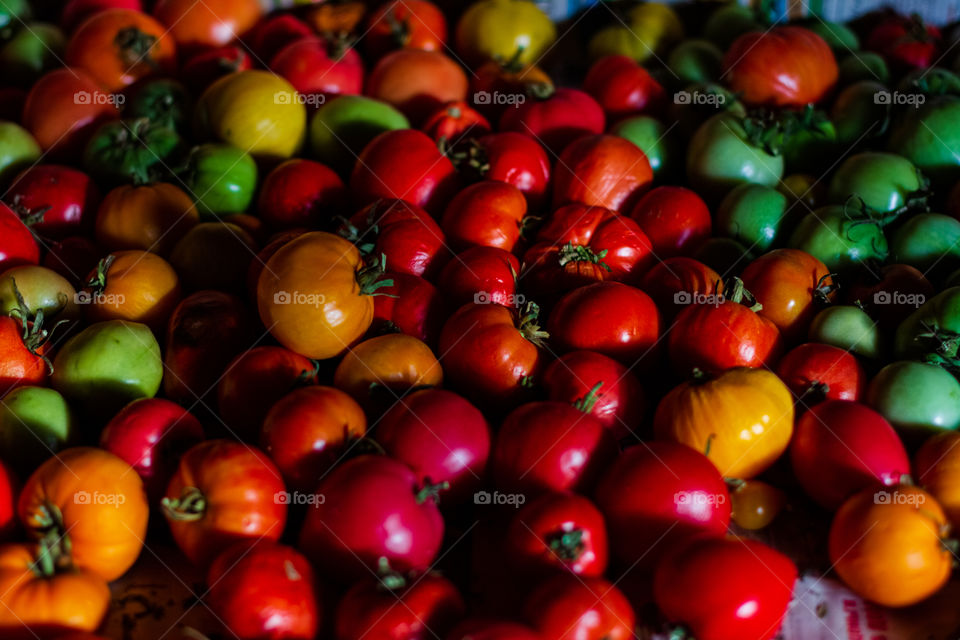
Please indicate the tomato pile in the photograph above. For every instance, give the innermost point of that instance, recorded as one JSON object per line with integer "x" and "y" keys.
{"x": 420, "y": 321}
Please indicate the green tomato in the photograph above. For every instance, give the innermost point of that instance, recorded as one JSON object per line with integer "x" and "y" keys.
{"x": 165, "y": 102}
{"x": 696, "y": 61}
{"x": 728, "y": 23}
{"x": 41, "y": 289}
{"x": 810, "y": 145}
{"x": 837, "y": 240}
{"x": 927, "y": 240}
{"x": 342, "y": 127}
{"x": 221, "y": 178}
{"x": 18, "y": 149}
{"x": 34, "y": 50}
{"x": 35, "y": 423}
{"x": 934, "y": 327}
{"x": 653, "y": 138}
{"x": 916, "y": 396}
{"x": 929, "y": 137}
{"x": 720, "y": 158}
{"x": 838, "y": 37}
{"x": 12, "y": 13}
{"x": 863, "y": 65}
{"x": 849, "y": 328}
{"x": 884, "y": 181}
{"x": 857, "y": 114}
{"x": 752, "y": 214}
{"x": 134, "y": 151}
{"x": 108, "y": 365}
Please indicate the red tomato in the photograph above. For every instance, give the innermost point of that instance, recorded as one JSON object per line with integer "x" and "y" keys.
{"x": 208, "y": 24}
{"x": 264, "y": 590}
{"x": 566, "y": 607}
{"x": 67, "y": 197}
{"x": 674, "y": 218}
{"x": 557, "y": 530}
{"x": 906, "y": 42}
{"x": 892, "y": 295}
{"x": 411, "y": 24}
{"x": 725, "y": 588}
{"x": 623, "y": 87}
{"x": 202, "y": 69}
{"x": 556, "y": 121}
{"x": 816, "y": 372}
{"x": 493, "y": 630}
{"x": 8, "y": 502}
{"x": 17, "y": 243}
{"x": 514, "y": 158}
{"x": 151, "y": 434}
{"x": 487, "y": 214}
{"x": 275, "y": 32}
{"x": 783, "y": 67}
{"x": 483, "y": 275}
{"x": 76, "y": 11}
{"x": 606, "y": 171}
{"x": 320, "y": 66}
{"x": 580, "y": 448}
{"x": 406, "y": 165}
{"x": 454, "y": 122}
{"x": 674, "y": 282}
{"x": 372, "y": 507}
{"x": 611, "y": 318}
{"x": 417, "y": 82}
{"x": 603, "y": 386}
{"x": 300, "y": 193}
{"x": 661, "y": 493}
{"x": 411, "y": 305}
{"x": 22, "y": 354}
{"x": 840, "y": 447}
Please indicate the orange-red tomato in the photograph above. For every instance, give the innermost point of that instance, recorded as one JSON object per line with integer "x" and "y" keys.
{"x": 386, "y": 367}
{"x": 133, "y": 285}
{"x": 411, "y": 24}
{"x": 417, "y": 82}
{"x": 211, "y": 23}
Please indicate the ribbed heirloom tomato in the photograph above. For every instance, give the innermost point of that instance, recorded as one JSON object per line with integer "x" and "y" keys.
{"x": 380, "y": 370}
{"x": 148, "y": 217}
{"x": 488, "y": 213}
{"x": 481, "y": 274}
{"x": 606, "y": 171}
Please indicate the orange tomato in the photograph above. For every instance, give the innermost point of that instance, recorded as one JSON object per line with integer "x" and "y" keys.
{"x": 386, "y": 367}
{"x": 742, "y": 419}
{"x": 937, "y": 469}
{"x": 417, "y": 82}
{"x": 754, "y": 504}
{"x": 133, "y": 285}
{"x": 148, "y": 217}
{"x": 117, "y": 47}
{"x": 414, "y": 24}
{"x": 211, "y": 23}
{"x": 888, "y": 545}
{"x": 93, "y": 498}
{"x": 335, "y": 17}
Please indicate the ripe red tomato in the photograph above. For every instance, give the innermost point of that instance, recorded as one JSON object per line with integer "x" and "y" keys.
{"x": 623, "y": 87}
{"x": 300, "y": 193}
{"x": 17, "y": 243}
{"x": 417, "y": 82}
{"x": 67, "y": 197}
{"x": 611, "y": 318}
{"x": 372, "y": 507}
{"x": 208, "y": 24}
{"x": 557, "y": 530}
{"x": 749, "y": 601}
{"x": 454, "y": 122}
{"x": 411, "y": 24}
{"x": 606, "y": 171}
{"x": 660, "y": 493}
{"x": 487, "y": 213}
{"x": 203, "y": 68}
{"x": 578, "y": 451}
{"x": 411, "y": 305}
{"x": 483, "y": 275}
{"x": 783, "y": 67}
{"x": 674, "y": 218}
{"x": 22, "y": 354}
{"x": 567, "y": 607}
{"x": 275, "y": 32}
{"x": 8, "y": 502}
{"x": 404, "y": 164}
{"x": 675, "y": 282}
{"x": 514, "y": 158}
{"x": 264, "y": 590}
{"x": 906, "y": 42}
{"x": 320, "y": 66}
{"x": 557, "y": 120}
{"x": 816, "y": 372}
{"x": 840, "y": 447}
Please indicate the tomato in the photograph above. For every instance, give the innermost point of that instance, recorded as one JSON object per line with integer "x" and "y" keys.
{"x": 63, "y": 108}
{"x": 150, "y": 434}
{"x": 412, "y": 24}
{"x": 93, "y": 504}
{"x": 855, "y": 115}
{"x": 341, "y": 17}
{"x": 917, "y": 398}
{"x": 568, "y": 608}
{"x": 755, "y": 504}
{"x": 623, "y": 88}
{"x": 417, "y": 82}
{"x": 425, "y": 178}
{"x": 496, "y": 85}
{"x": 211, "y": 24}
{"x": 274, "y": 32}
{"x": 320, "y": 66}
{"x": 912, "y": 139}
{"x": 750, "y": 602}
{"x": 68, "y": 197}
{"x": 76, "y": 11}
{"x": 611, "y": 318}
{"x": 300, "y": 193}
{"x": 562, "y": 116}
{"x": 35, "y": 423}
{"x": 482, "y": 629}
{"x": 410, "y": 305}
{"x": 149, "y": 217}
{"x": 816, "y": 372}
{"x": 839, "y": 240}
{"x": 603, "y": 386}
{"x": 514, "y": 158}
{"x": 442, "y": 437}
{"x": 30, "y": 289}
{"x": 214, "y": 255}
{"x": 264, "y": 590}
{"x": 493, "y": 29}
{"x": 18, "y": 149}
{"x": 23, "y": 347}
{"x": 223, "y": 176}
{"x": 372, "y": 507}
{"x": 202, "y": 69}
{"x": 136, "y": 151}
{"x": 654, "y": 139}
{"x": 847, "y": 327}
{"x": 926, "y": 241}
{"x": 491, "y": 353}
{"x": 9, "y": 487}
{"x": 742, "y": 419}
{"x": 675, "y": 282}
{"x": 937, "y": 316}
{"x": 453, "y": 123}
{"x": 580, "y": 449}
{"x": 888, "y": 545}
{"x": 117, "y": 47}
{"x": 380, "y": 370}
{"x": 694, "y": 60}
{"x": 674, "y": 218}
{"x": 17, "y": 244}
{"x": 754, "y": 215}
{"x": 344, "y": 125}
{"x": 138, "y": 286}
{"x": 935, "y": 465}
{"x": 482, "y": 275}
{"x": 397, "y": 608}
{"x": 884, "y": 181}
{"x": 223, "y": 492}
{"x": 256, "y": 111}
{"x": 487, "y": 213}
{"x": 905, "y": 41}
{"x": 841, "y": 447}
{"x": 651, "y": 29}
{"x": 784, "y": 66}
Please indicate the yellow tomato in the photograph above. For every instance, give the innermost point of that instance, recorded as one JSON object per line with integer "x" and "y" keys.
{"x": 256, "y": 111}
{"x": 937, "y": 468}
{"x": 502, "y": 29}
{"x": 755, "y": 504}
{"x": 651, "y": 30}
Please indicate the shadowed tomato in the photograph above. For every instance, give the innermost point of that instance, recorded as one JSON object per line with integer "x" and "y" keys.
{"x": 507, "y": 77}
{"x": 149, "y": 217}
{"x": 906, "y": 42}
{"x": 890, "y": 295}
{"x": 514, "y": 158}
{"x": 300, "y": 193}
{"x": 751, "y": 600}
{"x": 410, "y": 24}
{"x": 674, "y": 218}
{"x": 264, "y": 590}
{"x": 380, "y": 370}
{"x": 782, "y": 67}
{"x": 373, "y": 507}
{"x": 72, "y": 257}
{"x": 211, "y": 23}
{"x": 611, "y": 318}
{"x": 275, "y": 32}
{"x": 657, "y": 494}
{"x": 580, "y": 448}
{"x": 417, "y": 82}
{"x": 203, "y": 68}
{"x": 308, "y": 431}
{"x": 404, "y": 164}
{"x": 487, "y": 213}
{"x": 320, "y": 66}
{"x": 674, "y": 282}
{"x": 223, "y": 492}
{"x": 574, "y": 608}
{"x": 841, "y": 447}
{"x": 410, "y": 305}
{"x": 482, "y": 275}
{"x": 454, "y": 122}
{"x": 8, "y": 502}
{"x": 76, "y": 11}
{"x": 557, "y": 120}
{"x": 605, "y": 171}
{"x": 623, "y": 88}
{"x": 67, "y": 197}
{"x": 151, "y": 434}
{"x": 17, "y": 244}
{"x": 936, "y": 467}
{"x": 816, "y": 372}
{"x": 493, "y": 630}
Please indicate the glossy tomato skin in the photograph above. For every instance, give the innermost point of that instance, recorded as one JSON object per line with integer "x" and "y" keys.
{"x": 603, "y": 170}
{"x": 575, "y": 608}
{"x": 372, "y": 509}
{"x": 19, "y": 365}
{"x": 17, "y": 244}
{"x": 266, "y": 590}
{"x": 414, "y": 24}
{"x": 517, "y": 159}
{"x": 674, "y": 282}
{"x": 808, "y": 367}
{"x": 318, "y": 66}
{"x": 841, "y": 447}
{"x": 749, "y": 603}
{"x": 675, "y": 219}
{"x": 214, "y": 23}
{"x": 404, "y": 164}
{"x": 568, "y": 114}
{"x": 411, "y": 305}
{"x": 417, "y": 82}
{"x": 71, "y": 196}
{"x": 486, "y": 213}
{"x": 623, "y": 88}
{"x": 454, "y": 122}
{"x": 405, "y": 233}
{"x": 483, "y": 275}
{"x": 581, "y": 449}
{"x": 300, "y": 193}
